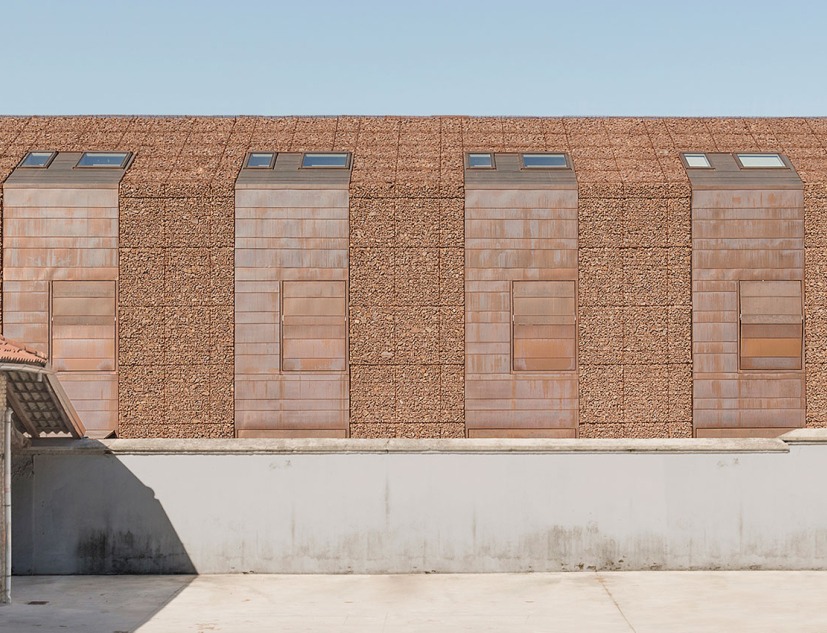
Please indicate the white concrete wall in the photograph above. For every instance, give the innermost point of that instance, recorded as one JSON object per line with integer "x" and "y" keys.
{"x": 328, "y": 506}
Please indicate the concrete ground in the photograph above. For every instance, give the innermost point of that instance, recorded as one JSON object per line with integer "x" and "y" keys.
{"x": 640, "y": 602}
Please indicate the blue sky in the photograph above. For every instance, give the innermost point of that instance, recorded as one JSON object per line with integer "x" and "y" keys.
{"x": 362, "y": 57}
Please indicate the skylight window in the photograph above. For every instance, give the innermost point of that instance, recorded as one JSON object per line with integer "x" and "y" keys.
{"x": 39, "y": 160}
{"x": 545, "y": 161}
{"x": 481, "y": 161}
{"x": 697, "y": 160}
{"x": 260, "y": 160}
{"x": 110, "y": 160}
{"x": 331, "y": 160}
{"x": 749, "y": 161}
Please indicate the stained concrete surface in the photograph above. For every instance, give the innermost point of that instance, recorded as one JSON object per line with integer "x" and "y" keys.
{"x": 638, "y": 602}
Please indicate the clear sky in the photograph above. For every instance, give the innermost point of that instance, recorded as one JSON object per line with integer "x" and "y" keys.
{"x": 579, "y": 57}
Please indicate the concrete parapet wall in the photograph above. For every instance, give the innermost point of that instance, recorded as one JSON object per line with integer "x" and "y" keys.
{"x": 390, "y": 506}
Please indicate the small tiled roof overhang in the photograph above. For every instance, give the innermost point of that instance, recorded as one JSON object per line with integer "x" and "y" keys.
{"x": 34, "y": 393}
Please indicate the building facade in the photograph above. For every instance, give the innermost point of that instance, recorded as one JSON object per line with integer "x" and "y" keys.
{"x": 421, "y": 277}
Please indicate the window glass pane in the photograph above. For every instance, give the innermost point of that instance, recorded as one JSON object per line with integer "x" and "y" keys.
{"x": 260, "y": 160}
{"x": 480, "y": 160}
{"x": 103, "y": 159}
{"x": 761, "y": 160}
{"x": 325, "y": 160}
{"x": 697, "y": 160}
{"x": 544, "y": 160}
{"x": 37, "y": 159}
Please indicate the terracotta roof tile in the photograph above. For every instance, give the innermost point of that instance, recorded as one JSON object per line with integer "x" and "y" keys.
{"x": 11, "y": 352}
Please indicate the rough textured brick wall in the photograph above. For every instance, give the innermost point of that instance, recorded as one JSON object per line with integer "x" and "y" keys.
{"x": 406, "y": 328}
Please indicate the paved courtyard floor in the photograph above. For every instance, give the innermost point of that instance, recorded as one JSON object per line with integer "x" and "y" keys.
{"x": 640, "y": 602}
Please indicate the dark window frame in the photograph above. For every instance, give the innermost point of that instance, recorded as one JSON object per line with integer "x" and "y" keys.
{"x": 348, "y": 160}
{"x": 468, "y": 164}
{"x": 53, "y": 155}
{"x": 785, "y": 163}
{"x": 270, "y": 165}
{"x": 688, "y": 166}
{"x": 127, "y": 160}
{"x": 565, "y": 156}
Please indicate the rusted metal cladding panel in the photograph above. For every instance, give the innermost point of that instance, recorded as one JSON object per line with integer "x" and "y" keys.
{"x": 520, "y": 312}
{"x": 747, "y": 308}
{"x": 60, "y": 271}
{"x": 291, "y": 271}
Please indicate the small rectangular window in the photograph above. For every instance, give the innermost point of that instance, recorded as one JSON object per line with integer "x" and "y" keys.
{"x": 697, "y": 161}
{"x": 771, "y": 325}
{"x": 38, "y": 160}
{"x": 338, "y": 160}
{"x": 481, "y": 161}
{"x": 260, "y": 160}
{"x": 314, "y": 328}
{"x": 749, "y": 161}
{"x": 544, "y": 326}
{"x": 545, "y": 161}
{"x": 106, "y": 160}
{"x": 83, "y": 325}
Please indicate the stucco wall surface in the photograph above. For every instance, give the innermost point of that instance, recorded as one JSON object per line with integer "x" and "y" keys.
{"x": 340, "y": 507}
{"x": 406, "y": 259}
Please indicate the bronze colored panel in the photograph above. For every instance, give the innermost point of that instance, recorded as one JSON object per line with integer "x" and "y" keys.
{"x": 771, "y": 364}
{"x": 777, "y": 330}
{"x": 770, "y": 347}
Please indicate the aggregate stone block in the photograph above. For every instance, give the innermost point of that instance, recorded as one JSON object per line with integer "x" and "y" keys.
{"x": 221, "y": 219}
{"x": 372, "y": 394}
{"x": 417, "y": 392}
{"x": 412, "y": 430}
{"x": 417, "y": 222}
{"x": 600, "y": 335}
{"x": 452, "y": 393}
{"x": 222, "y": 334}
{"x": 452, "y": 334}
{"x": 372, "y": 277}
{"x": 645, "y": 393}
{"x": 372, "y": 335}
{"x": 638, "y": 430}
{"x": 142, "y": 277}
{"x": 452, "y": 223}
{"x": 221, "y": 276}
{"x": 645, "y": 335}
{"x": 680, "y": 393}
{"x": 816, "y": 415}
{"x": 679, "y": 276}
{"x": 416, "y": 276}
{"x": 140, "y": 392}
{"x": 184, "y": 223}
{"x": 417, "y": 335}
{"x": 451, "y": 276}
{"x": 601, "y": 223}
{"x": 601, "y": 277}
{"x": 140, "y": 336}
{"x": 645, "y": 276}
{"x": 372, "y": 223}
{"x": 815, "y": 277}
{"x": 187, "y": 388}
{"x": 187, "y": 336}
{"x": 645, "y": 223}
{"x": 601, "y": 393}
{"x": 679, "y": 222}
{"x": 141, "y": 223}
{"x": 680, "y": 334}
{"x": 187, "y": 280}
{"x": 815, "y": 335}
